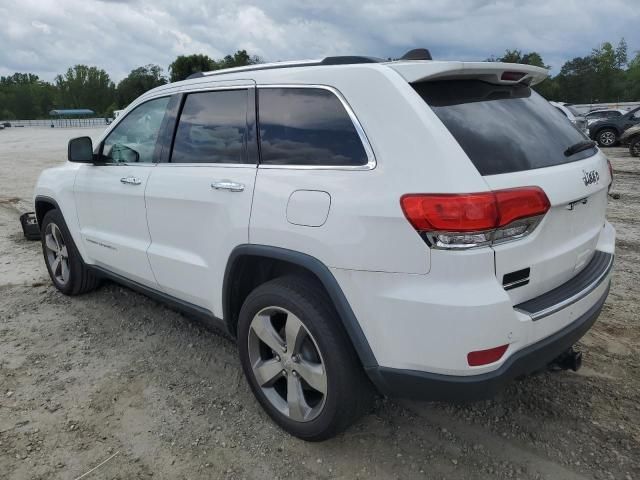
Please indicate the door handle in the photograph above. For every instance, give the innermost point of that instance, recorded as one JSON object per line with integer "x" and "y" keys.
{"x": 228, "y": 185}
{"x": 131, "y": 180}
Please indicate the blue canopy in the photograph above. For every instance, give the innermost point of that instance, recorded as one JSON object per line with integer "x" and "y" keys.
{"x": 71, "y": 112}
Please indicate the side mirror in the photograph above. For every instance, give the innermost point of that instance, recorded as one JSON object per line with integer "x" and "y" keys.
{"x": 80, "y": 150}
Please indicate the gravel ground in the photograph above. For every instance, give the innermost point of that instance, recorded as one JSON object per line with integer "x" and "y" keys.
{"x": 115, "y": 376}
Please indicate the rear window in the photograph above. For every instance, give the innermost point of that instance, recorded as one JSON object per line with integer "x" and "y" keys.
{"x": 502, "y": 128}
{"x": 307, "y": 126}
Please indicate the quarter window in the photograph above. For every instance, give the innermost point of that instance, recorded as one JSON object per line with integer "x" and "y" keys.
{"x": 134, "y": 139}
{"x": 212, "y": 128}
{"x": 306, "y": 126}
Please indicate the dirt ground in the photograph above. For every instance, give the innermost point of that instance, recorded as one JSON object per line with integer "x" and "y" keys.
{"x": 113, "y": 373}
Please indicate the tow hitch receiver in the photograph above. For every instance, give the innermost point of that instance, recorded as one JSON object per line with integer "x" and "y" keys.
{"x": 569, "y": 360}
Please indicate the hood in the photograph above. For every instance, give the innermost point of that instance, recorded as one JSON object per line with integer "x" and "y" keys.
{"x": 629, "y": 132}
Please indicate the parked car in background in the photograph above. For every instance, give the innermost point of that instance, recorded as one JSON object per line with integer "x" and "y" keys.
{"x": 631, "y": 137}
{"x": 603, "y": 114}
{"x": 572, "y": 114}
{"x": 607, "y": 132}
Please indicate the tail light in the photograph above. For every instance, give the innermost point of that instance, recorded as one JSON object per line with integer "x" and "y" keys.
{"x": 610, "y": 173}
{"x": 475, "y": 219}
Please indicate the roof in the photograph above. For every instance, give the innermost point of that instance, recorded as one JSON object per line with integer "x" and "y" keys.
{"x": 344, "y": 60}
{"x": 72, "y": 111}
{"x": 333, "y": 71}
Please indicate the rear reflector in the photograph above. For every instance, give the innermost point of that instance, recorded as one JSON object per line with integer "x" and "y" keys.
{"x": 512, "y": 76}
{"x": 485, "y": 357}
{"x": 474, "y": 219}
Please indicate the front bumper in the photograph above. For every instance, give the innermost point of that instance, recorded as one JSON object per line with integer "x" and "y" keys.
{"x": 438, "y": 387}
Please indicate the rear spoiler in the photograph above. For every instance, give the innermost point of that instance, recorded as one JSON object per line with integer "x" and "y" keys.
{"x": 492, "y": 72}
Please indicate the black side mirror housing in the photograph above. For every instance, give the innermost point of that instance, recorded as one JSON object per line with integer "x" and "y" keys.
{"x": 80, "y": 150}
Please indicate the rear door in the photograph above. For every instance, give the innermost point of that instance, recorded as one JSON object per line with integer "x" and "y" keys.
{"x": 514, "y": 138}
{"x": 199, "y": 197}
{"x": 110, "y": 195}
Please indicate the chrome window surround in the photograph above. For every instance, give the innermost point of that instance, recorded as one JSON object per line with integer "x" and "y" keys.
{"x": 371, "y": 159}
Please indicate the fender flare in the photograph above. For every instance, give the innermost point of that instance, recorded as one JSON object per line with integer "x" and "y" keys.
{"x": 45, "y": 199}
{"x": 324, "y": 275}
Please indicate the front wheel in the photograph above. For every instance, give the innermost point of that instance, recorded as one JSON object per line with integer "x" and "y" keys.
{"x": 299, "y": 362}
{"x": 607, "y": 137}
{"x": 634, "y": 147}
{"x": 68, "y": 272}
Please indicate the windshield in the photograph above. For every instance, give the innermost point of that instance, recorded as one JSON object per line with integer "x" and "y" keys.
{"x": 573, "y": 110}
{"x": 503, "y": 128}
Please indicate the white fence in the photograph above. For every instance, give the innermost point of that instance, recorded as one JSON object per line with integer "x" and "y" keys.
{"x": 60, "y": 123}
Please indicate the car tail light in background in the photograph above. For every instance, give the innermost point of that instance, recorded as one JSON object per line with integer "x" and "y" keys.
{"x": 485, "y": 357}
{"x": 451, "y": 221}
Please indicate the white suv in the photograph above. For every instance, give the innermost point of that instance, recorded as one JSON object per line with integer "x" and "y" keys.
{"x": 420, "y": 228}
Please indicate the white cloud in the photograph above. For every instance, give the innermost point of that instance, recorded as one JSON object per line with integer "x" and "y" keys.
{"x": 48, "y": 36}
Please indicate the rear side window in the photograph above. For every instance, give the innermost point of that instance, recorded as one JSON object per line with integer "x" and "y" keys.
{"x": 502, "y": 128}
{"x": 306, "y": 126}
{"x": 212, "y": 128}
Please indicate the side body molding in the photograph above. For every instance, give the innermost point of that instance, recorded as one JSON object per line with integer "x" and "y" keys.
{"x": 320, "y": 270}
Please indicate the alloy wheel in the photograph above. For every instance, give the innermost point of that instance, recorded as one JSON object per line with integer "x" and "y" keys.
{"x": 287, "y": 364}
{"x": 57, "y": 254}
{"x": 607, "y": 138}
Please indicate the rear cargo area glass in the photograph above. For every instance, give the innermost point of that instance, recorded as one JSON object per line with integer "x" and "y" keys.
{"x": 502, "y": 128}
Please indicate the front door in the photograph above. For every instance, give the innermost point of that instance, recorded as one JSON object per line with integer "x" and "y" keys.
{"x": 199, "y": 198}
{"x": 110, "y": 195}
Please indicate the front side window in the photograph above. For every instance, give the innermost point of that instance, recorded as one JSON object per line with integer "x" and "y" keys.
{"x": 212, "y": 128}
{"x": 306, "y": 126}
{"x": 134, "y": 139}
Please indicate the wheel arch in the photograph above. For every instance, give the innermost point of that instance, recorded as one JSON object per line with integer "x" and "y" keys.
{"x": 43, "y": 204}
{"x": 607, "y": 126}
{"x": 251, "y": 265}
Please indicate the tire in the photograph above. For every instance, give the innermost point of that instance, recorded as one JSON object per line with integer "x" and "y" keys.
{"x": 634, "y": 147}
{"x": 607, "y": 137}
{"x": 272, "y": 310}
{"x": 69, "y": 273}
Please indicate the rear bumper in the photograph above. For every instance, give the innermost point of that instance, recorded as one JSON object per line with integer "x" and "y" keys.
{"x": 430, "y": 386}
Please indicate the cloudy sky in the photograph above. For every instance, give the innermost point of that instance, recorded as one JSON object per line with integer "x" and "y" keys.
{"x": 47, "y": 36}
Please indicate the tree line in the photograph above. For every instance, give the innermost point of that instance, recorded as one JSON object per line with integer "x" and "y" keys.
{"x": 25, "y": 96}
{"x": 605, "y": 75}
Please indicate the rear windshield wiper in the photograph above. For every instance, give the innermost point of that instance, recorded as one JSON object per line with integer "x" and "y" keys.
{"x": 579, "y": 147}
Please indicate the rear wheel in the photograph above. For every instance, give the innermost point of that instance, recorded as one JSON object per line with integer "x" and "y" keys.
{"x": 68, "y": 272}
{"x": 299, "y": 362}
{"x": 607, "y": 137}
{"x": 634, "y": 147}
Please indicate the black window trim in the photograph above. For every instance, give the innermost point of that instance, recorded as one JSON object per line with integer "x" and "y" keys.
{"x": 371, "y": 159}
{"x": 251, "y": 157}
{"x": 157, "y": 152}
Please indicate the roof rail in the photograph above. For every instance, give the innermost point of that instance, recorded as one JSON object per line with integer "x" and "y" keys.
{"x": 340, "y": 60}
